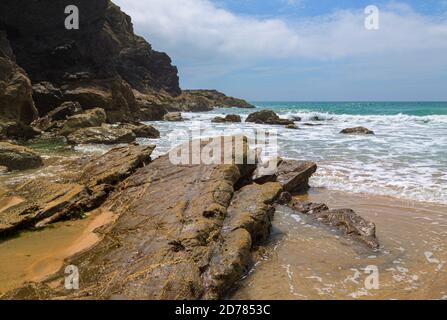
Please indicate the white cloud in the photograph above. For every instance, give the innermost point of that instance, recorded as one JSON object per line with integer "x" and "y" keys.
{"x": 198, "y": 30}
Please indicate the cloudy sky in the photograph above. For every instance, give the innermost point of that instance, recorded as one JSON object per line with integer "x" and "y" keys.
{"x": 301, "y": 50}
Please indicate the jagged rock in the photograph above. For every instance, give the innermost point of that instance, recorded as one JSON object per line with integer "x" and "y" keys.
{"x": 267, "y": 117}
{"x": 40, "y": 202}
{"x": 90, "y": 118}
{"x": 142, "y": 130}
{"x": 292, "y": 126}
{"x": 293, "y": 175}
{"x": 102, "y": 61}
{"x": 345, "y": 220}
{"x": 173, "y": 117}
{"x": 105, "y": 134}
{"x": 17, "y": 108}
{"x": 18, "y": 158}
{"x": 228, "y": 118}
{"x": 357, "y": 130}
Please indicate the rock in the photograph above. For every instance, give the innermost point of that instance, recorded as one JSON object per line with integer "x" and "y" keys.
{"x": 142, "y": 130}
{"x": 292, "y": 127}
{"x": 267, "y": 117}
{"x": 18, "y": 158}
{"x": 285, "y": 198}
{"x": 296, "y": 119}
{"x": 46, "y": 97}
{"x": 207, "y": 100}
{"x": 173, "y": 117}
{"x": 105, "y": 134}
{"x": 90, "y": 118}
{"x": 17, "y": 108}
{"x": 228, "y": 118}
{"x": 65, "y": 110}
{"x": 193, "y": 242}
{"x": 293, "y": 175}
{"x": 346, "y": 220}
{"x": 40, "y": 202}
{"x": 357, "y": 130}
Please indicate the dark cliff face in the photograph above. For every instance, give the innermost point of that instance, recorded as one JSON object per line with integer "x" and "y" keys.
{"x": 104, "y": 51}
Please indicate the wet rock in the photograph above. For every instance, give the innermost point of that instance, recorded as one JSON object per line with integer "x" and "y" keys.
{"x": 18, "y": 158}
{"x": 105, "y": 134}
{"x": 267, "y": 117}
{"x": 293, "y": 175}
{"x": 173, "y": 117}
{"x": 193, "y": 242}
{"x": 292, "y": 126}
{"x": 40, "y": 202}
{"x": 345, "y": 220}
{"x": 142, "y": 130}
{"x": 90, "y": 118}
{"x": 357, "y": 130}
{"x": 285, "y": 198}
{"x": 228, "y": 118}
{"x": 296, "y": 118}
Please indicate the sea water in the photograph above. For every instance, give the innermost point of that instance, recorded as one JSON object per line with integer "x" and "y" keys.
{"x": 406, "y": 158}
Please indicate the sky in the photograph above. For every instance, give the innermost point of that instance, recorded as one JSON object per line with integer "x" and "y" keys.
{"x": 301, "y": 50}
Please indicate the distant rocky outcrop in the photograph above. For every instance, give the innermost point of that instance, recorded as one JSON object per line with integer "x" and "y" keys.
{"x": 233, "y": 118}
{"x": 206, "y": 100}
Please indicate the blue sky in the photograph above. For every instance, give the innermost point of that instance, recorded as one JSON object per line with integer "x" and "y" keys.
{"x": 302, "y": 50}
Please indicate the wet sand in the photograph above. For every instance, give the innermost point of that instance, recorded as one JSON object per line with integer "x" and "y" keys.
{"x": 306, "y": 260}
{"x": 33, "y": 256}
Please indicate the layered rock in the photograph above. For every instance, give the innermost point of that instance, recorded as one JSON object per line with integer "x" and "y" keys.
{"x": 206, "y": 100}
{"x": 40, "y": 202}
{"x": 17, "y": 108}
{"x": 267, "y": 117}
{"x": 97, "y": 65}
{"x": 105, "y": 134}
{"x": 16, "y": 157}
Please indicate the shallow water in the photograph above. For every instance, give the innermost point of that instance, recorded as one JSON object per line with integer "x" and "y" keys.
{"x": 306, "y": 260}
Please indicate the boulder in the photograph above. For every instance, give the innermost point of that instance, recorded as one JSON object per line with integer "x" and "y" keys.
{"x": 105, "y": 134}
{"x": 293, "y": 175}
{"x": 17, "y": 108}
{"x": 142, "y": 130}
{"x": 18, "y": 158}
{"x": 228, "y": 118}
{"x": 345, "y": 220}
{"x": 40, "y": 202}
{"x": 357, "y": 130}
{"x": 267, "y": 117}
{"x": 90, "y": 118}
{"x": 173, "y": 117}
{"x": 292, "y": 126}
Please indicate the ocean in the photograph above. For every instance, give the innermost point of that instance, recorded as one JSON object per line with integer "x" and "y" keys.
{"x": 406, "y": 159}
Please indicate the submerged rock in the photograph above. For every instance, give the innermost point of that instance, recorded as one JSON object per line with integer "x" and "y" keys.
{"x": 292, "y": 126}
{"x": 106, "y": 134}
{"x": 345, "y": 220}
{"x": 16, "y": 157}
{"x": 357, "y": 130}
{"x": 228, "y": 118}
{"x": 267, "y": 117}
{"x": 173, "y": 117}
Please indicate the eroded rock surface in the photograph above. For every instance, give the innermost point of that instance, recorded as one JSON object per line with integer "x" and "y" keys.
{"x": 357, "y": 130}
{"x": 173, "y": 117}
{"x": 105, "y": 134}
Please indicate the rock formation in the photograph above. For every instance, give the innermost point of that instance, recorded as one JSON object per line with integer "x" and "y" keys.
{"x": 16, "y": 157}
{"x": 234, "y": 118}
{"x": 267, "y": 117}
{"x": 357, "y": 130}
